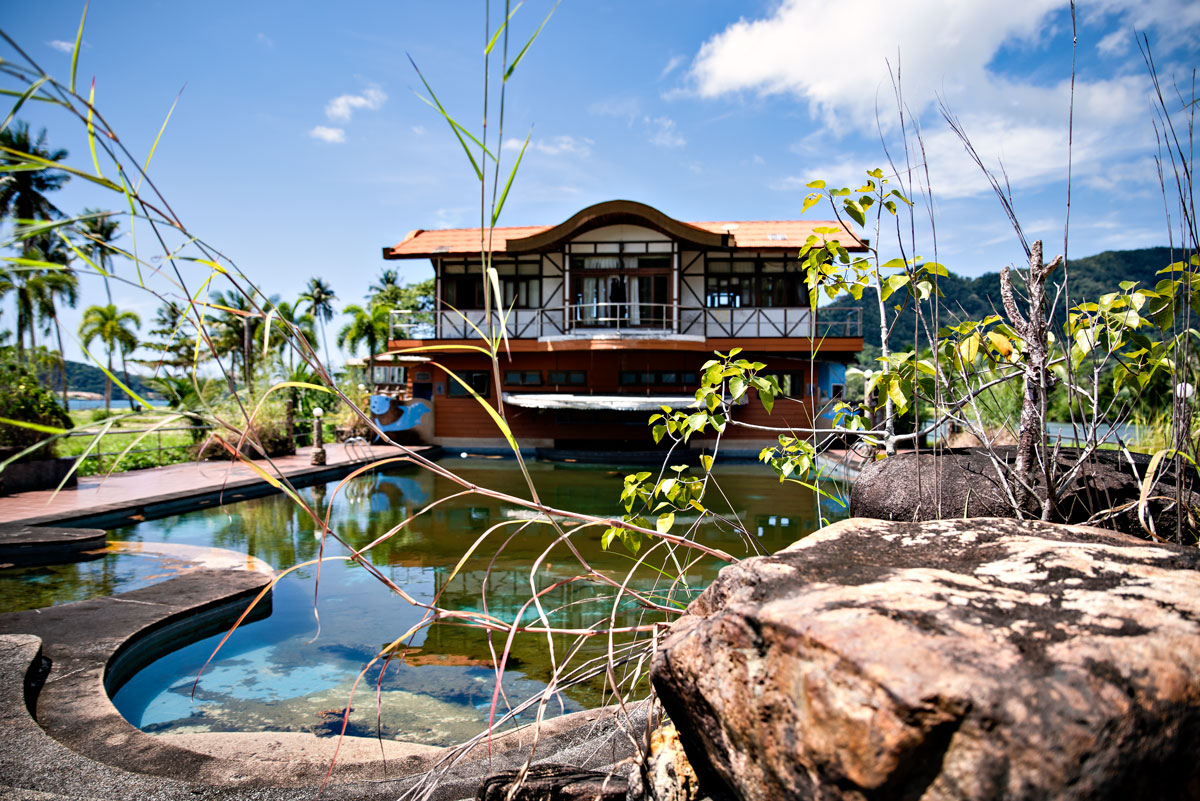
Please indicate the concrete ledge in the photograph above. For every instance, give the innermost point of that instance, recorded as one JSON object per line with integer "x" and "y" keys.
{"x": 61, "y": 663}
{"x": 44, "y": 545}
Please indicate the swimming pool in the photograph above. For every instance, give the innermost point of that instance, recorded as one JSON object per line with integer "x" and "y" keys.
{"x": 277, "y": 674}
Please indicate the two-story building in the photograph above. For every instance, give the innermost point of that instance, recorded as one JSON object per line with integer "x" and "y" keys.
{"x": 609, "y": 316}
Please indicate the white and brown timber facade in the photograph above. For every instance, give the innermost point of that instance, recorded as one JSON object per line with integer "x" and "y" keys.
{"x": 609, "y": 315}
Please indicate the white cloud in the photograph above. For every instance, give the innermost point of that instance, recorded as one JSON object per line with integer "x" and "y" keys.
{"x": 555, "y": 145}
{"x": 947, "y": 50}
{"x": 61, "y": 46}
{"x": 342, "y": 108}
{"x": 334, "y": 136}
{"x": 265, "y": 40}
{"x": 627, "y": 107}
{"x": 943, "y": 45}
{"x": 673, "y": 63}
{"x": 455, "y": 216}
{"x": 419, "y": 130}
{"x": 664, "y": 133}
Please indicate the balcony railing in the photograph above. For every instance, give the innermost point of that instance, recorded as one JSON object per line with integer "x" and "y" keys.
{"x": 631, "y": 320}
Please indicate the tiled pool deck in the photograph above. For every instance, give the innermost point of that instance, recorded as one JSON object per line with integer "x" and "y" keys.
{"x": 124, "y": 494}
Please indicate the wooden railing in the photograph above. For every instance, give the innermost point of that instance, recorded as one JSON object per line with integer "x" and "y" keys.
{"x": 633, "y": 320}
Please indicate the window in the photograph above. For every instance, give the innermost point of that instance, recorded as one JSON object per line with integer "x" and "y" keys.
{"x": 389, "y": 374}
{"x": 792, "y": 384}
{"x": 577, "y": 378}
{"x": 520, "y": 284}
{"x": 478, "y": 380}
{"x": 651, "y": 378}
{"x": 753, "y": 283}
{"x": 523, "y": 378}
{"x": 521, "y": 293}
{"x": 463, "y": 291}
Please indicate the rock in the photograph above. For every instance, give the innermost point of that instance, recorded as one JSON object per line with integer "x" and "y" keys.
{"x": 964, "y": 483}
{"x": 667, "y": 774}
{"x": 963, "y": 659}
{"x": 548, "y": 782}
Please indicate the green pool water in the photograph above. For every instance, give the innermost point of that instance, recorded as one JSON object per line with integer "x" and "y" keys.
{"x": 279, "y": 674}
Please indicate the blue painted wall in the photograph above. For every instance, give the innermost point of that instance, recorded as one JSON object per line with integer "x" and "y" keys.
{"x": 828, "y": 374}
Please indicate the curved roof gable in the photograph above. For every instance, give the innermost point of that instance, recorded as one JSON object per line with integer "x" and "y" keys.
{"x": 758, "y": 235}
{"x": 617, "y": 212}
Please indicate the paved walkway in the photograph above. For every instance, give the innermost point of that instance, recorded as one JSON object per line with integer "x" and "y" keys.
{"x": 99, "y": 495}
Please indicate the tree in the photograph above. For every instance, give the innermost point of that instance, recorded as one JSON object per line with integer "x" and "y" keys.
{"x": 412, "y": 297}
{"x": 37, "y": 289}
{"x": 319, "y": 297}
{"x": 100, "y": 228}
{"x": 23, "y": 198}
{"x": 369, "y": 327}
{"x": 388, "y": 280}
{"x": 47, "y": 288}
{"x": 174, "y": 341}
{"x": 295, "y": 322}
{"x": 112, "y": 327}
{"x": 23, "y": 191}
{"x": 240, "y": 323}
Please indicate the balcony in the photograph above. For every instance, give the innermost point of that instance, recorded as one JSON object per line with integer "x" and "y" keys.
{"x": 631, "y": 320}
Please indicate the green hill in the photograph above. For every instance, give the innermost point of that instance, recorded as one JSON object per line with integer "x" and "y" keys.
{"x": 976, "y": 298}
{"x": 89, "y": 378}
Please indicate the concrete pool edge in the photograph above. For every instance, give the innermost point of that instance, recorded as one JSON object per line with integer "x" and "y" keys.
{"x": 24, "y": 545}
{"x": 57, "y": 661}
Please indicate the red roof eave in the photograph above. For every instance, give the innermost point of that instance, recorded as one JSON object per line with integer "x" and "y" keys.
{"x": 773, "y": 235}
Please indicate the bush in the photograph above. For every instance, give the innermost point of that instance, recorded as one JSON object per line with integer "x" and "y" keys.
{"x": 271, "y": 434}
{"x": 23, "y": 398}
{"x": 99, "y": 415}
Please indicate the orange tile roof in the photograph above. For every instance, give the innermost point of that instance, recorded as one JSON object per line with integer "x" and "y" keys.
{"x": 457, "y": 241}
{"x": 771, "y": 233}
{"x": 787, "y": 234}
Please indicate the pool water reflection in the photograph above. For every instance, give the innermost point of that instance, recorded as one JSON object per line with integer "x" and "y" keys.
{"x": 277, "y": 674}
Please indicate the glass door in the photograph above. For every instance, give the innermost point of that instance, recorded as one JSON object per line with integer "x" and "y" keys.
{"x": 625, "y": 298}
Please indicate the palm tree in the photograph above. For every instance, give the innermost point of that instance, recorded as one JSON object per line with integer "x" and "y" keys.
{"x": 388, "y": 281}
{"x": 23, "y": 192}
{"x": 23, "y": 197}
{"x": 112, "y": 327}
{"x": 369, "y": 327}
{"x": 241, "y": 326}
{"x": 36, "y": 289}
{"x": 319, "y": 297}
{"x": 46, "y": 288}
{"x": 100, "y": 228}
{"x": 14, "y": 282}
{"x": 190, "y": 396}
{"x": 297, "y": 322}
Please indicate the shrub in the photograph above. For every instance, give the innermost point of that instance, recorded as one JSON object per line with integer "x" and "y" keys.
{"x": 23, "y": 398}
{"x": 270, "y": 434}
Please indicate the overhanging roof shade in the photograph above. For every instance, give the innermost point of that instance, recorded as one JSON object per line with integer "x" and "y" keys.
{"x": 614, "y": 403}
{"x": 741, "y": 234}
{"x": 382, "y": 359}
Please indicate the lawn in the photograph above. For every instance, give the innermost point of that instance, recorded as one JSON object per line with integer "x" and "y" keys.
{"x": 170, "y": 444}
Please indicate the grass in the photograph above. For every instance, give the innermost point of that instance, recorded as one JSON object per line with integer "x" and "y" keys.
{"x": 163, "y": 447}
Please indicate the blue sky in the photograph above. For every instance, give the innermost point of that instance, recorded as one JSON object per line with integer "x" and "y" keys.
{"x": 300, "y": 147}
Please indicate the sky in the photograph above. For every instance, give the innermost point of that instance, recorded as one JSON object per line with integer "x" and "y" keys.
{"x": 301, "y": 146}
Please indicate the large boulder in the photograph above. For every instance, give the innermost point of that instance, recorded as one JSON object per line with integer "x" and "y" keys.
{"x": 968, "y": 482}
{"x": 963, "y": 659}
